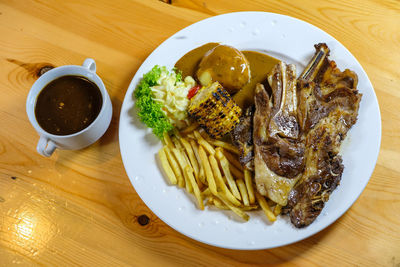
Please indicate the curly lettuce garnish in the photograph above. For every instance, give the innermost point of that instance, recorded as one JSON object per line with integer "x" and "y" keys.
{"x": 149, "y": 111}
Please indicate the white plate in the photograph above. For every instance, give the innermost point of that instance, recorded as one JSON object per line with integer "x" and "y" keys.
{"x": 288, "y": 39}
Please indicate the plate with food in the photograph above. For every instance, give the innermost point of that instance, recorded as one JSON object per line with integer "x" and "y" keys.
{"x": 250, "y": 130}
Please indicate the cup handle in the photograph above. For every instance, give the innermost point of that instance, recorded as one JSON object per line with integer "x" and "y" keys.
{"x": 45, "y": 147}
{"x": 90, "y": 64}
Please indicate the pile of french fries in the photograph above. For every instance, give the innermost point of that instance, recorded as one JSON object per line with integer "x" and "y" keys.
{"x": 209, "y": 169}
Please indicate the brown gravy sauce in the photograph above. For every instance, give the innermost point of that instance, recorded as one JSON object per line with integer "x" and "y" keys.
{"x": 189, "y": 62}
{"x": 68, "y": 105}
{"x": 260, "y": 65}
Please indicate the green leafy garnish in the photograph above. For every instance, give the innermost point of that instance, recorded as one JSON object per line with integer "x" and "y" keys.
{"x": 150, "y": 112}
{"x": 179, "y": 77}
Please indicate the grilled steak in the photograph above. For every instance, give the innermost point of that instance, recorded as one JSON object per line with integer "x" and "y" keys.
{"x": 242, "y": 137}
{"x": 297, "y": 133}
{"x": 278, "y": 153}
{"x": 328, "y": 108}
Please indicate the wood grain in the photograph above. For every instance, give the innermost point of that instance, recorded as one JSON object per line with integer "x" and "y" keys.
{"x": 78, "y": 207}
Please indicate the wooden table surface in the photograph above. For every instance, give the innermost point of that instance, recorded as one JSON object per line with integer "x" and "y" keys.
{"x": 79, "y": 208}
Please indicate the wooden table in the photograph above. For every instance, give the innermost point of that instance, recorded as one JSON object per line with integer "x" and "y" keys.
{"x": 79, "y": 208}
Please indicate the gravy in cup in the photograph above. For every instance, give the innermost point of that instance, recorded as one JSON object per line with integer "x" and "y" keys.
{"x": 69, "y": 107}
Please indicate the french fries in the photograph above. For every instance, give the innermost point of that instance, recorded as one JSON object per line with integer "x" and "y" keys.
{"x": 243, "y": 191}
{"x": 225, "y": 168}
{"x": 225, "y": 145}
{"x": 264, "y": 206}
{"x": 277, "y": 209}
{"x": 190, "y": 128}
{"x": 183, "y": 163}
{"x": 235, "y": 172}
{"x": 192, "y": 157}
{"x": 176, "y": 143}
{"x": 210, "y": 170}
{"x": 196, "y": 189}
{"x": 204, "y": 135}
{"x": 220, "y": 182}
{"x": 204, "y": 143}
{"x": 235, "y": 167}
{"x": 236, "y": 210}
{"x": 167, "y": 168}
{"x": 249, "y": 185}
{"x": 187, "y": 164}
{"x": 175, "y": 167}
{"x": 167, "y": 140}
{"x": 196, "y": 153}
{"x": 233, "y": 160}
{"x": 219, "y": 204}
{"x": 206, "y": 192}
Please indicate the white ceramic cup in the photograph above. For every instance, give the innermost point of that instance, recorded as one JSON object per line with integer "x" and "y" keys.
{"x": 49, "y": 142}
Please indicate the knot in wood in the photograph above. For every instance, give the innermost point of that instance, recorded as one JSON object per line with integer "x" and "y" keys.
{"x": 143, "y": 220}
{"x": 44, "y": 69}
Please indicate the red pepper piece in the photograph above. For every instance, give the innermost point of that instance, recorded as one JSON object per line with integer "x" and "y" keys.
{"x": 193, "y": 91}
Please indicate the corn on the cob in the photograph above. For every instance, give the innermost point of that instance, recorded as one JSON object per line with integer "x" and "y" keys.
{"x": 215, "y": 110}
